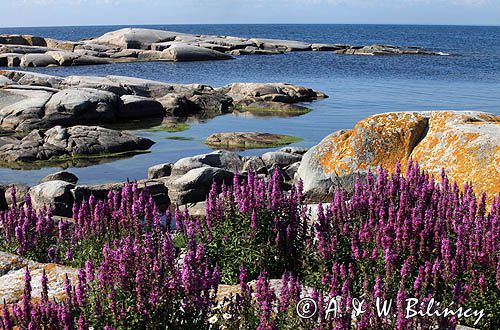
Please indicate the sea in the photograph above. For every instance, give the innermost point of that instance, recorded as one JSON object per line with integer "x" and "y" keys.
{"x": 358, "y": 86}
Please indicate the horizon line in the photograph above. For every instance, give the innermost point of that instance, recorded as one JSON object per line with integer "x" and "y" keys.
{"x": 283, "y": 23}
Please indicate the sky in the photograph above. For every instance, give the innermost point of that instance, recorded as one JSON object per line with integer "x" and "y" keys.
{"x": 16, "y": 13}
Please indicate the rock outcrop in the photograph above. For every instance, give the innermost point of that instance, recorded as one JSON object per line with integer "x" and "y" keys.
{"x": 12, "y": 268}
{"x": 248, "y": 140}
{"x": 36, "y": 101}
{"x": 220, "y": 159}
{"x": 466, "y": 144}
{"x": 137, "y": 44}
{"x": 78, "y": 141}
{"x": 378, "y": 50}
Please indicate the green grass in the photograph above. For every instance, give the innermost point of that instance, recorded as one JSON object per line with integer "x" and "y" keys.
{"x": 171, "y": 128}
{"x": 179, "y": 138}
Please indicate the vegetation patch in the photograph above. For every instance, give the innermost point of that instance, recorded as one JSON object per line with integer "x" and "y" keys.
{"x": 180, "y": 138}
{"x": 170, "y": 127}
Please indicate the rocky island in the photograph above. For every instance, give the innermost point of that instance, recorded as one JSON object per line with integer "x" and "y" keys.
{"x": 135, "y": 44}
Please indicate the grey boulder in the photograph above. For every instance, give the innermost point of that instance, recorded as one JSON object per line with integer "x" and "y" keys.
{"x": 55, "y": 195}
{"x": 37, "y": 60}
{"x": 194, "y": 186}
{"x": 181, "y": 53}
{"x": 133, "y": 106}
{"x": 61, "y": 176}
{"x": 77, "y": 105}
{"x": 160, "y": 171}
{"x": 220, "y": 159}
{"x": 280, "y": 159}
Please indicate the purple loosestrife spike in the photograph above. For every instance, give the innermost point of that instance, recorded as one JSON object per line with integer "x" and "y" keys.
{"x": 6, "y": 320}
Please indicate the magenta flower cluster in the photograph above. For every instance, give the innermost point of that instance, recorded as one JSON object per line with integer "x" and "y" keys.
{"x": 138, "y": 278}
{"x": 395, "y": 236}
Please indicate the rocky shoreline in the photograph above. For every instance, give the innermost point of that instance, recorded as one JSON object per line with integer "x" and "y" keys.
{"x": 135, "y": 44}
{"x": 466, "y": 143}
{"x": 36, "y": 101}
{"x": 379, "y": 140}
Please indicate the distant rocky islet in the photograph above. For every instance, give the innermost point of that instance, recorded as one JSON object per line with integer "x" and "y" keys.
{"x": 136, "y": 44}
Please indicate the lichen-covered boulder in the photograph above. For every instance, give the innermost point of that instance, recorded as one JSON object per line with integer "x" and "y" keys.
{"x": 12, "y": 269}
{"x": 466, "y": 144}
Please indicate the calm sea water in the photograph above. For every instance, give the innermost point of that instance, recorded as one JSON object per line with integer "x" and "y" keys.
{"x": 358, "y": 86}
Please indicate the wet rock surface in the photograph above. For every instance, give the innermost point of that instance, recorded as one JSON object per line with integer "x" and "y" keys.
{"x": 77, "y": 141}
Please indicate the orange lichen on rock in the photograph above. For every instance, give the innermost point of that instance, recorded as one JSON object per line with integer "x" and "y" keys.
{"x": 466, "y": 145}
{"x": 12, "y": 270}
{"x": 379, "y": 140}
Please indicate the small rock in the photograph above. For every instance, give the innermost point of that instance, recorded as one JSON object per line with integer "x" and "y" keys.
{"x": 133, "y": 106}
{"x": 61, "y": 176}
{"x": 291, "y": 170}
{"x": 55, "y": 195}
{"x": 280, "y": 159}
{"x": 220, "y": 159}
{"x": 255, "y": 164}
{"x": 159, "y": 171}
{"x": 194, "y": 186}
{"x": 294, "y": 150}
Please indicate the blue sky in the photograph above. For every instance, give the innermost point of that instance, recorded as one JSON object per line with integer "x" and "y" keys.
{"x": 130, "y": 12}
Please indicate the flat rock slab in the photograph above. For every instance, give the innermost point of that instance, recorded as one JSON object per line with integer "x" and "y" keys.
{"x": 266, "y": 107}
{"x": 77, "y": 141}
{"x": 379, "y": 50}
{"x": 271, "y": 92}
{"x": 31, "y": 101}
{"x": 12, "y": 268}
{"x": 248, "y": 140}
